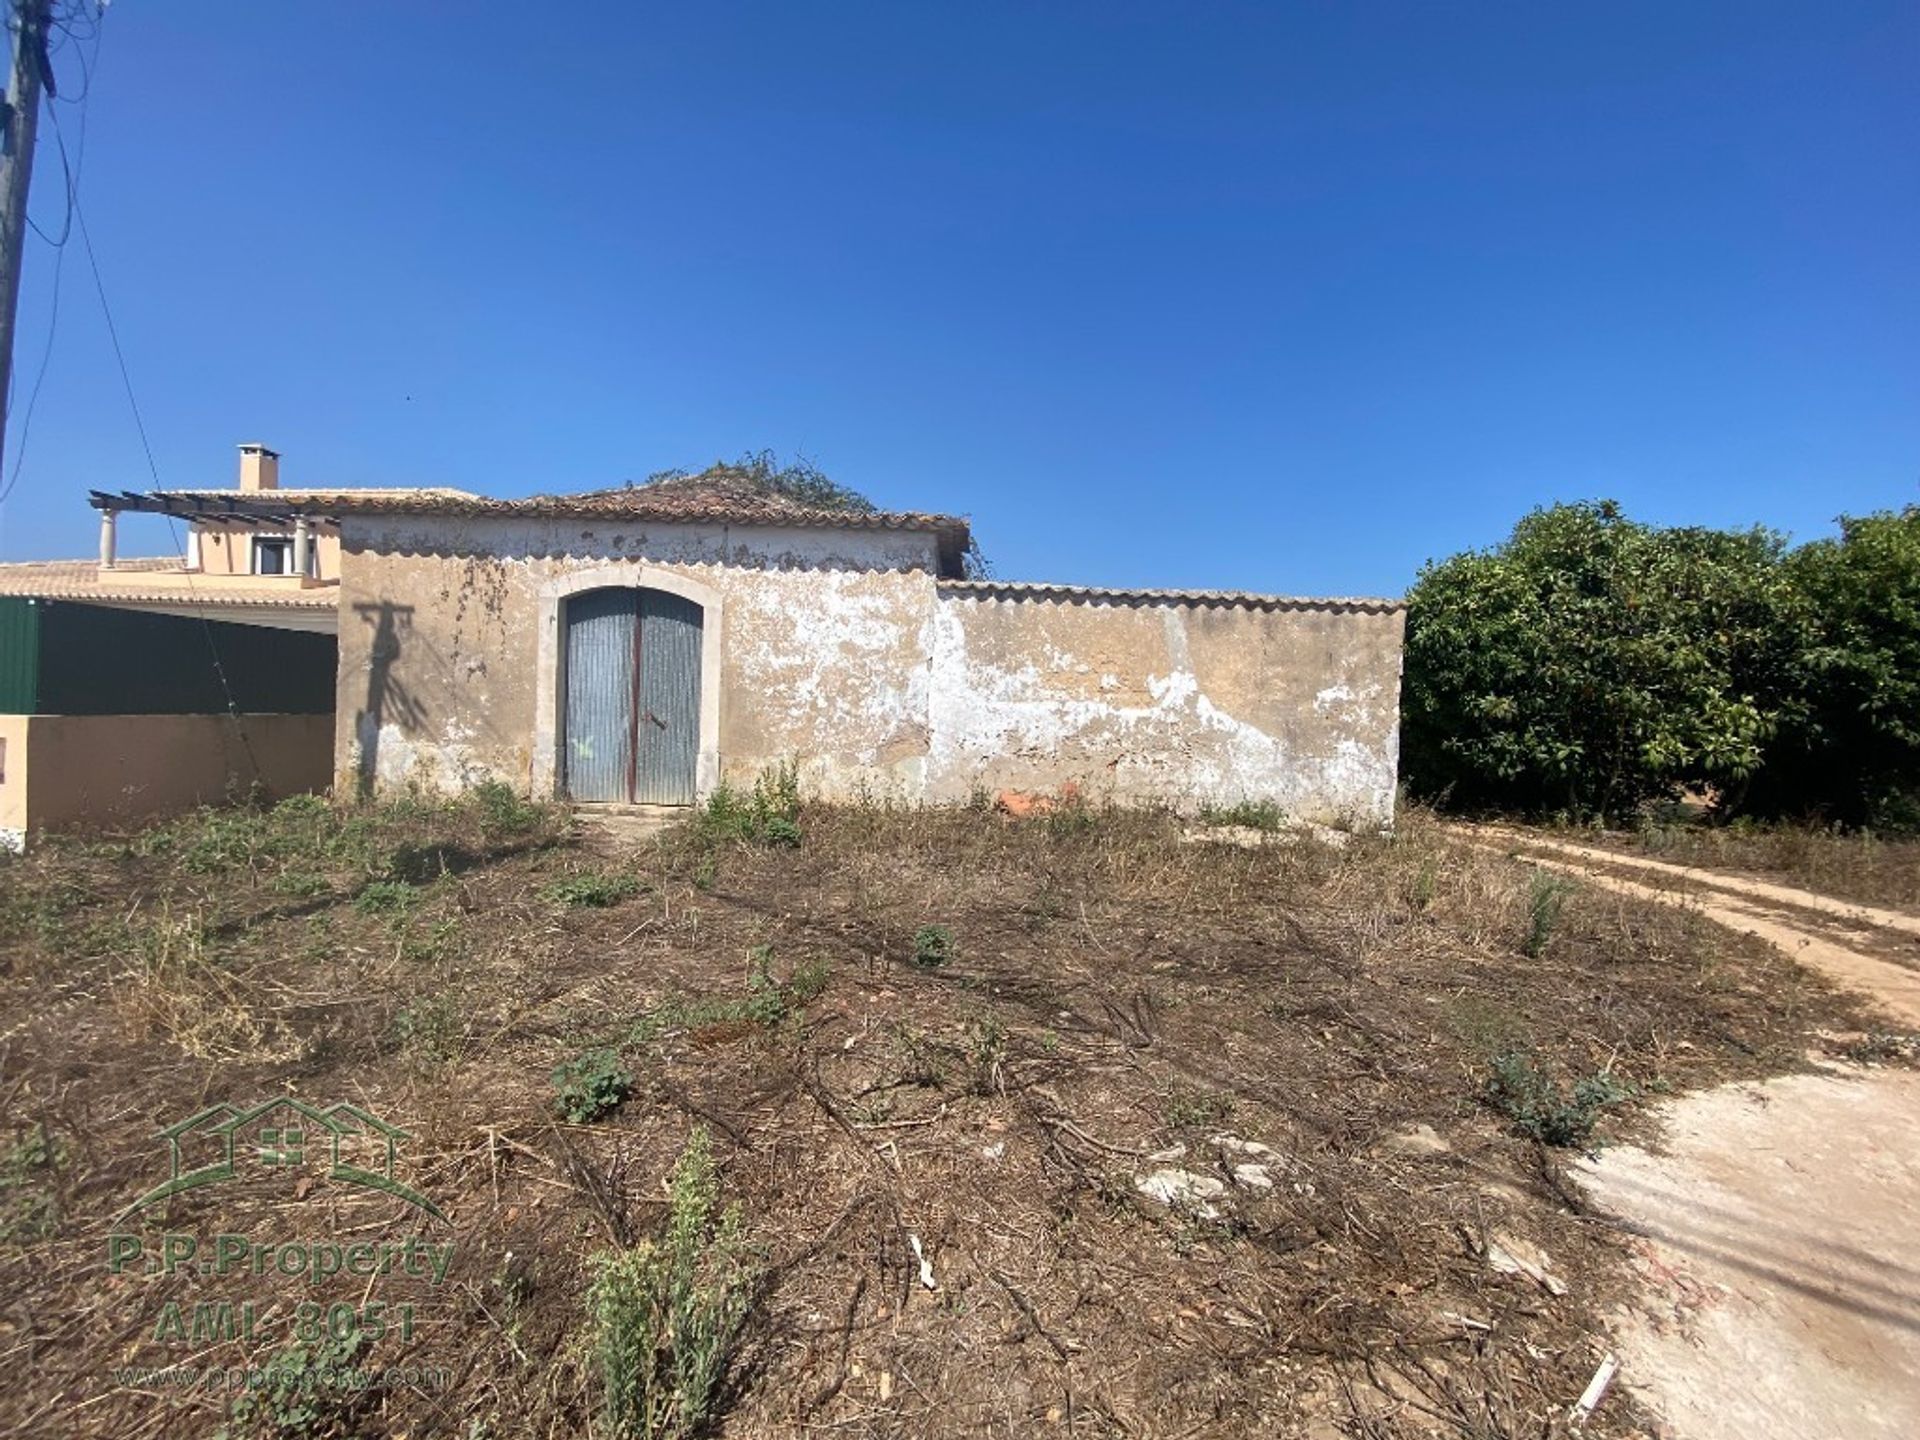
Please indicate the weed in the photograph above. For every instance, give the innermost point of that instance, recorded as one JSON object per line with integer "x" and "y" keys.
{"x": 386, "y": 897}
{"x": 598, "y": 889}
{"x": 503, "y": 810}
{"x": 306, "y": 1389}
{"x": 668, "y": 1315}
{"x": 28, "y": 1169}
{"x": 1425, "y": 883}
{"x": 1252, "y": 814}
{"x": 436, "y": 943}
{"x": 932, "y": 946}
{"x": 1071, "y": 817}
{"x": 430, "y": 1029}
{"x": 1544, "y": 898}
{"x": 1539, "y": 1108}
{"x": 1196, "y": 1109}
{"x": 767, "y": 1002}
{"x": 590, "y": 1085}
{"x": 300, "y": 884}
{"x": 987, "y": 1054}
{"x": 766, "y": 815}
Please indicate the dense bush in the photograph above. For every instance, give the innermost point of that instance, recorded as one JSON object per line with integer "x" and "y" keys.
{"x": 1590, "y": 664}
{"x": 1850, "y": 751}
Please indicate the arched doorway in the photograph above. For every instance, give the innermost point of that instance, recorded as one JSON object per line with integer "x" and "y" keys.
{"x": 631, "y": 720}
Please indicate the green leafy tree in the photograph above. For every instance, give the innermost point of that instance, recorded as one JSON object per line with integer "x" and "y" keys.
{"x": 1850, "y": 749}
{"x": 1590, "y": 663}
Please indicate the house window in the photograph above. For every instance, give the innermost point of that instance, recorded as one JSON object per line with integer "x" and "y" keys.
{"x": 273, "y": 555}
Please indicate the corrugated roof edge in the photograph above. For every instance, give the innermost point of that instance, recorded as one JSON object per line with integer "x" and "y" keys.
{"x": 1226, "y": 599}
{"x": 207, "y": 598}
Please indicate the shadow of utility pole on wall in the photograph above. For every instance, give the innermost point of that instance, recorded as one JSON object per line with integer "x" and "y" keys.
{"x": 387, "y": 698}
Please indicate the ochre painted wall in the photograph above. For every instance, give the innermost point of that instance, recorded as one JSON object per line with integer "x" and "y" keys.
{"x": 228, "y": 549}
{"x": 65, "y": 770}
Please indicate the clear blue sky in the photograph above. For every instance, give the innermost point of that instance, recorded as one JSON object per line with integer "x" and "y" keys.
{"x": 1277, "y": 296}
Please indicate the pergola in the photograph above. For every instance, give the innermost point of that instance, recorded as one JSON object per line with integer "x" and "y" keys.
{"x": 238, "y": 508}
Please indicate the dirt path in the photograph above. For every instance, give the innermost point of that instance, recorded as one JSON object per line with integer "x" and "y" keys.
{"x": 1776, "y": 1227}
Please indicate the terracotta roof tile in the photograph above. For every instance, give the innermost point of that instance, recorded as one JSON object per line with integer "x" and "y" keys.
{"x": 82, "y": 580}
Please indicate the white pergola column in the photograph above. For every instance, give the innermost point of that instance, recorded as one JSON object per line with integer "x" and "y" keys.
{"x": 107, "y": 536}
{"x": 302, "y": 545}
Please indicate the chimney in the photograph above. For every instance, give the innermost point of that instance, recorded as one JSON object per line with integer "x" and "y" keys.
{"x": 259, "y": 467}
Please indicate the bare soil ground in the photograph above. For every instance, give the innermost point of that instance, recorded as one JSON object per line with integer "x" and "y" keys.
{"x": 941, "y": 1164}
{"x": 1779, "y": 1263}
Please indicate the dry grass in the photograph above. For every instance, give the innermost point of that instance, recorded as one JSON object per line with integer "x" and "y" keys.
{"x": 1848, "y": 865}
{"x": 1109, "y": 993}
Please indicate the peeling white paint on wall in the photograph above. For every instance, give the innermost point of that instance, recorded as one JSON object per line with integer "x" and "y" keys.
{"x": 840, "y": 654}
{"x": 1029, "y": 723}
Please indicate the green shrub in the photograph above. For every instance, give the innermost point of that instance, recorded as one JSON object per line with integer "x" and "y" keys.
{"x": 780, "y": 831}
{"x": 766, "y": 815}
{"x": 1590, "y": 663}
{"x": 932, "y": 946}
{"x": 386, "y": 897}
{"x": 591, "y": 889}
{"x": 1545, "y": 895}
{"x": 307, "y": 1389}
{"x": 667, "y": 1316}
{"x": 430, "y": 1028}
{"x": 1539, "y": 1108}
{"x": 503, "y": 810}
{"x": 590, "y": 1085}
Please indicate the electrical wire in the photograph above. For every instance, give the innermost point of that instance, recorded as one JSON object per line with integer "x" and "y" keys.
{"x": 153, "y": 469}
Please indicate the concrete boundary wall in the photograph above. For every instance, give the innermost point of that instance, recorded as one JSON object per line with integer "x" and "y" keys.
{"x": 68, "y": 770}
{"x": 1177, "y": 701}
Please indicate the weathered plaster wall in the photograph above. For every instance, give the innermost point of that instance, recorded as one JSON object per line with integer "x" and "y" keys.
{"x": 445, "y": 680}
{"x": 1168, "y": 702}
{"x": 836, "y": 650}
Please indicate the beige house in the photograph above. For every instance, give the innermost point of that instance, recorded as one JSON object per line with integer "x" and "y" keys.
{"x": 131, "y": 687}
{"x": 642, "y": 645}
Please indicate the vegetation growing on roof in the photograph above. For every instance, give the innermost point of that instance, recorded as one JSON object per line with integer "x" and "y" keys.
{"x": 804, "y": 483}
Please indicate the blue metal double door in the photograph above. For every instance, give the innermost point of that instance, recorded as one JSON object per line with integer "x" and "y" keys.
{"x": 633, "y": 697}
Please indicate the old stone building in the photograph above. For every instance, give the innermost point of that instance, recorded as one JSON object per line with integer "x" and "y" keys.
{"x": 641, "y": 645}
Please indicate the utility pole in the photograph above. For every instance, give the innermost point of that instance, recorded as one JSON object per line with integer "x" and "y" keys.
{"x": 19, "y": 123}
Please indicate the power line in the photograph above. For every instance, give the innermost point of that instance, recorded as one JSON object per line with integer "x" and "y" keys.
{"x": 153, "y": 469}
